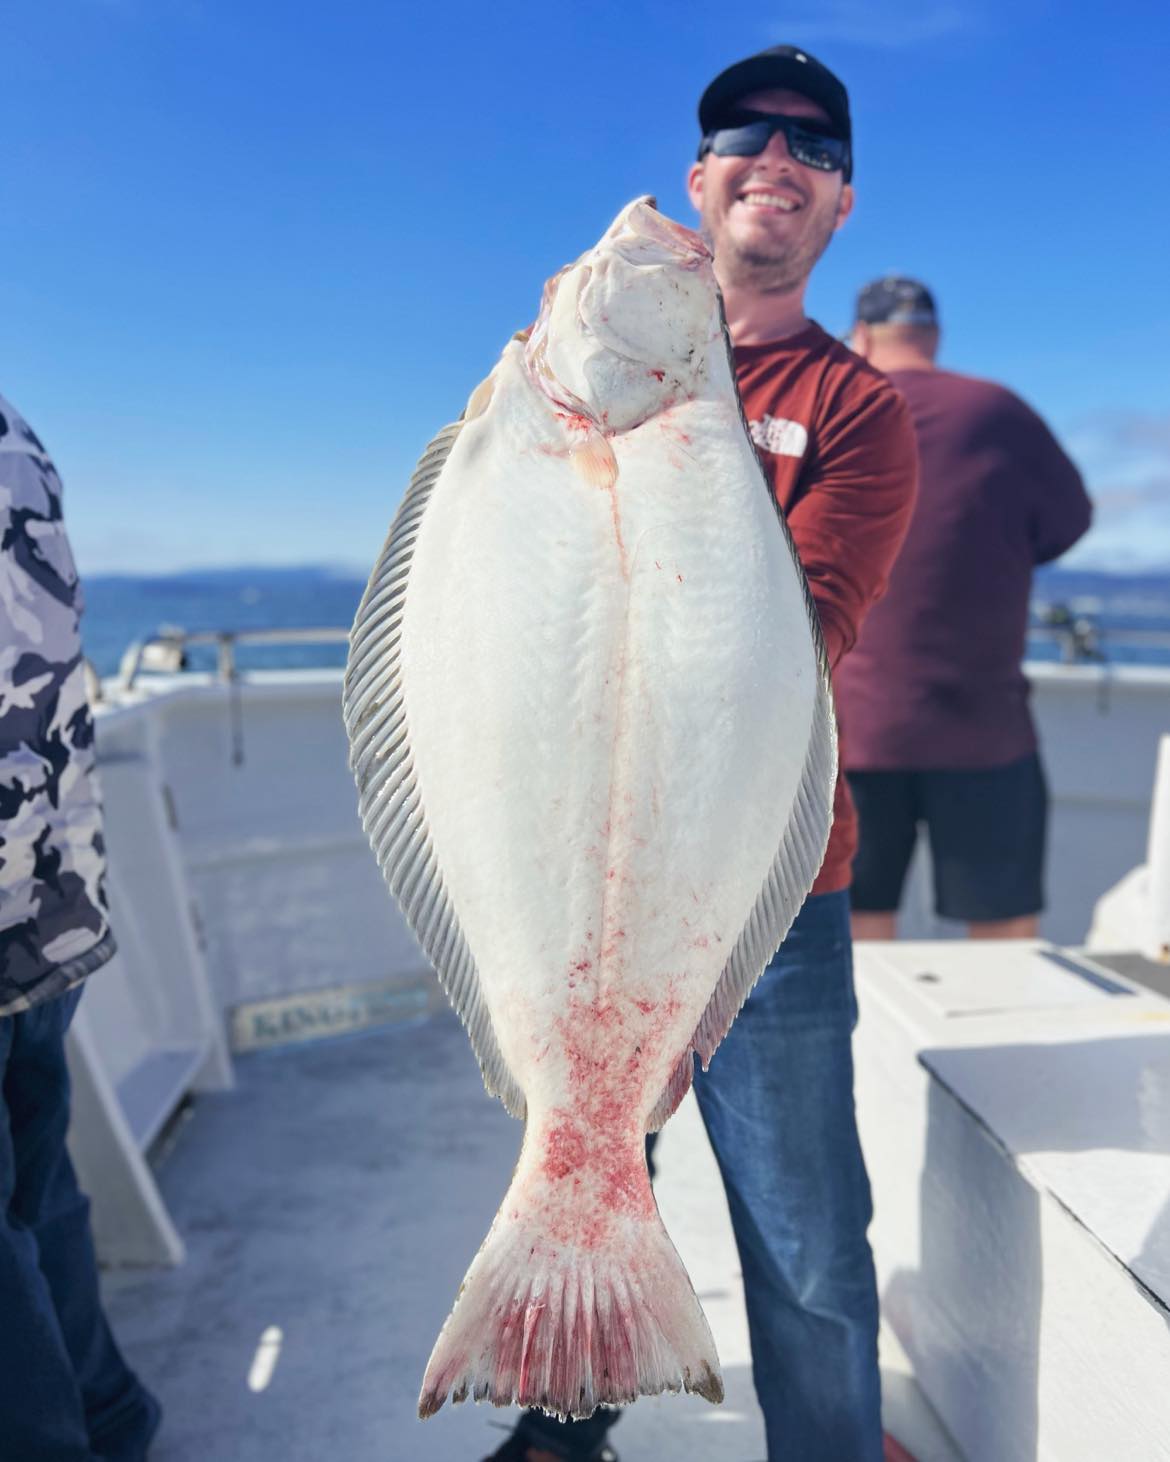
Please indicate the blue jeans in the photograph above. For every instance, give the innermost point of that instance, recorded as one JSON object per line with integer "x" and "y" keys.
{"x": 778, "y": 1107}
{"x": 66, "y": 1394}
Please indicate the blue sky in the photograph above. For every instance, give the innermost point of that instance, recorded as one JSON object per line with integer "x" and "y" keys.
{"x": 256, "y": 253}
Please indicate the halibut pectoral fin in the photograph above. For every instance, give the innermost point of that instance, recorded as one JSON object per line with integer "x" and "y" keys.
{"x": 796, "y": 864}
{"x": 480, "y": 398}
{"x": 389, "y": 798}
{"x": 594, "y": 460}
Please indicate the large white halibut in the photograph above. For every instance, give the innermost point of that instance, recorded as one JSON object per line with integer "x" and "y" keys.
{"x": 593, "y": 736}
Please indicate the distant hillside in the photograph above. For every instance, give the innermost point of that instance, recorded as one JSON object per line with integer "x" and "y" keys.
{"x": 228, "y": 580}
{"x": 261, "y": 576}
{"x": 1052, "y": 582}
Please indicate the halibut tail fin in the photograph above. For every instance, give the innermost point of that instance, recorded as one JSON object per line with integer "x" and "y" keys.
{"x": 568, "y": 1328}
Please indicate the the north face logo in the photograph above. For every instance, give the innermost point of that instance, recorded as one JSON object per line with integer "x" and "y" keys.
{"x": 779, "y": 436}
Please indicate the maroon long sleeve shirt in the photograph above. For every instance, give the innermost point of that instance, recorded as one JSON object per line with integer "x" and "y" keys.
{"x": 837, "y": 443}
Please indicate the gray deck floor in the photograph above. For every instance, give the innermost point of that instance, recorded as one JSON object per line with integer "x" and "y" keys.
{"x": 338, "y": 1195}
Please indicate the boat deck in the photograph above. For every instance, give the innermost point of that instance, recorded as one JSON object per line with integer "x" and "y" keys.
{"x": 330, "y": 1205}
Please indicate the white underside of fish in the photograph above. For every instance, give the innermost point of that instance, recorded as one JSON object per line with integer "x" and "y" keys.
{"x": 593, "y": 734}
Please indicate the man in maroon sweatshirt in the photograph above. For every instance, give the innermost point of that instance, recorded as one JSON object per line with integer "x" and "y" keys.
{"x": 772, "y": 184}
{"x": 932, "y": 701}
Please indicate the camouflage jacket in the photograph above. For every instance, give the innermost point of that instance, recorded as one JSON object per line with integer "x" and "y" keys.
{"x": 54, "y": 925}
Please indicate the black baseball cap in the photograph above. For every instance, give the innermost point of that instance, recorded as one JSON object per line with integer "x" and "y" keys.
{"x": 785, "y": 68}
{"x": 896, "y": 300}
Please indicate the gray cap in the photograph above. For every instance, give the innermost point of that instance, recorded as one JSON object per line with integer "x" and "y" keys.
{"x": 896, "y": 300}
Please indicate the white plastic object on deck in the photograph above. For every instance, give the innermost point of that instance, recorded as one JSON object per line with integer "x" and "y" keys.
{"x": 1135, "y": 913}
{"x": 1158, "y": 860}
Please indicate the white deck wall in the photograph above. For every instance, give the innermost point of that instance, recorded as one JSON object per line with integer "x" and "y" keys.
{"x": 289, "y": 899}
{"x": 287, "y": 893}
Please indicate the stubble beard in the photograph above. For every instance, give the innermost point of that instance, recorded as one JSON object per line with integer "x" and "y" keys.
{"x": 780, "y": 268}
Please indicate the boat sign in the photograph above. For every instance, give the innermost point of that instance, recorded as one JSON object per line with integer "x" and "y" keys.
{"x": 312, "y": 1014}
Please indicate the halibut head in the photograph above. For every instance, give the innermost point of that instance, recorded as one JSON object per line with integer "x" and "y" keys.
{"x": 593, "y": 738}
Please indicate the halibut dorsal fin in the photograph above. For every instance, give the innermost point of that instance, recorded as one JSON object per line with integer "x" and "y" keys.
{"x": 383, "y": 764}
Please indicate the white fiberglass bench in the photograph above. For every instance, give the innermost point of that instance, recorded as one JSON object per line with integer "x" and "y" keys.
{"x": 1014, "y": 1102}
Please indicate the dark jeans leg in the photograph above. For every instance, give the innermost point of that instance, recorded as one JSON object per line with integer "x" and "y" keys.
{"x": 67, "y": 1392}
{"x": 778, "y": 1105}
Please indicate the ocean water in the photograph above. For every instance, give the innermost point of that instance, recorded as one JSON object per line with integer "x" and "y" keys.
{"x": 1128, "y": 616}
{"x": 121, "y": 609}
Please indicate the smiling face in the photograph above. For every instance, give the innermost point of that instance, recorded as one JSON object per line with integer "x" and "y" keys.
{"x": 769, "y": 218}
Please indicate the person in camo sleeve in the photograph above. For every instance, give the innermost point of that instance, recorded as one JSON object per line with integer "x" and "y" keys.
{"x": 66, "y": 1394}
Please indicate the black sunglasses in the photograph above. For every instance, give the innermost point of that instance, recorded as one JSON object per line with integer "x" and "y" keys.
{"x": 747, "y": 133}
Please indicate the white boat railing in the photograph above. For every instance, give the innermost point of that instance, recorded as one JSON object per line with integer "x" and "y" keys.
{"x": 1080, "y": 640}
{"x": 167, "y": 650}
{"x": 1083, "y": 641}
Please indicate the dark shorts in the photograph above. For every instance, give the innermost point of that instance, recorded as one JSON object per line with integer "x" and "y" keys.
{"x": 986, "y": 829}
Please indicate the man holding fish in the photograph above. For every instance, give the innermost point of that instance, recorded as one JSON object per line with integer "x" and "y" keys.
{"x": 772, "y": 184}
